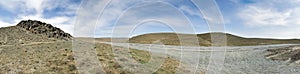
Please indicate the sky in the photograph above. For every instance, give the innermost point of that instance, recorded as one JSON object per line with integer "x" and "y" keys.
{"x": 103, "y": 18}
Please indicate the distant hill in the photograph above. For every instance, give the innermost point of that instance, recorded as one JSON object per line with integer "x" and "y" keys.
{"x": 205, "y": 39}
{"x": 28, "y": 31}
{"x": 165, "y": 38}
{"x": 107, "y": 39}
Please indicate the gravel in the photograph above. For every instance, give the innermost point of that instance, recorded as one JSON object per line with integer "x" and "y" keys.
{"x": 238, "y": 60}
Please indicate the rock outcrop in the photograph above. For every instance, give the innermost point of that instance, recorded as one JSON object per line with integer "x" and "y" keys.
{"x": 38, "y": 27}
{"x": 290, "y": 54}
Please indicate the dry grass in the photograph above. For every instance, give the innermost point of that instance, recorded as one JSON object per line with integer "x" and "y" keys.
{"x": 16, "y": 35}
{"x": 169, "y": 67}
{"x": 58, "y": 58}
{"x": 41, "y": 58}
{"x": 106, "y": 57}
{"x": 140, "y": 55}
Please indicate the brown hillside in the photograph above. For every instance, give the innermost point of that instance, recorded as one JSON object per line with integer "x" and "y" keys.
{"x": 205, "y": 39}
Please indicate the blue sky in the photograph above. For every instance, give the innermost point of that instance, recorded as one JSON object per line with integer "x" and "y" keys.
{"x": 248, "y": 18}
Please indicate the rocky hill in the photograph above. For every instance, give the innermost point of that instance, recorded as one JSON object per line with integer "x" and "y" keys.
{"x": 28, "y": 31}
{"x": 38, "y": 27}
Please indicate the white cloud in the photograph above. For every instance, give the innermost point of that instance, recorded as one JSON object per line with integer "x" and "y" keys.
{"x": 23, "y": 6}
{"x": 189, "y": 10}
{"x": 66, "y": 28}
{"x": 271, "y": 19}
{"x": 10, "y": 5}
{"x": 256, "y": 16}
{"x": 36, "y": 5}
{"x": 5, "y": 24}
{"x": 288, "y": 32}
{"x": 87, "y": 17}
{"x": 33, "y": 9}
{"x": 271, "y": 13}
{"x": 235, "y": 1}
{"x": 152, "y": 12}
{"x": 114, "y": 10}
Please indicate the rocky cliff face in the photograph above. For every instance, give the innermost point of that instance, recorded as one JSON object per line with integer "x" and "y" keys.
{"x": 38, "y": 27}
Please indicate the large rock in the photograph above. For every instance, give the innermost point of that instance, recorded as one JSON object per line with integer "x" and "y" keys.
{"x": 38, "y": 27}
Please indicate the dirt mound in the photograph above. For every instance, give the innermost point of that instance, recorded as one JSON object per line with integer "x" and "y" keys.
{"x": 38, "y": 27}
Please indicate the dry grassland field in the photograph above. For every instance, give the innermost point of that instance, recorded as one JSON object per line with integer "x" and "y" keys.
{"x": 149, "y": 37}
{"x": 40, "y": 48}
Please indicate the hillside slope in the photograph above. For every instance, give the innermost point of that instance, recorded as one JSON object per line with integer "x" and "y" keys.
{"x": 34, "y": 47}
{"x": 16, "y": 35}
{"x": 166, "y": 38}
{"x": 31, "y": 31}
{"x": 205, "y": 39}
